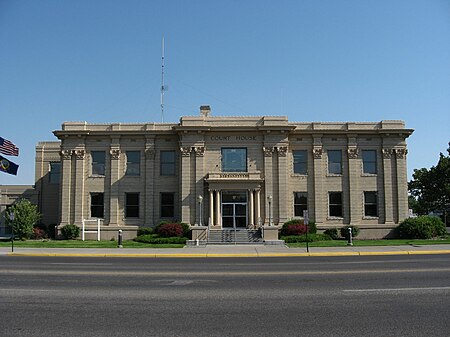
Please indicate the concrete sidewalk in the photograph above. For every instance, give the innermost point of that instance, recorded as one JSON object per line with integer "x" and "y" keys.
{"x": 228, "y": 251}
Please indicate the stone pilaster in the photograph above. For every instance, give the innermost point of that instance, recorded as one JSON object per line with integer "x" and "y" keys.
{"x": 282, "y": 184}
{"x": 115, "y": 175}
{"x": 80, "y": 155}
{"x": 388, "y": 186}
{"x": 199, "y": 176}
{"x": 402, "y": 184}
{"x": 320, "y": 199}
{"x": 268, "y": 178}
{"x": 149, "y": 210}
{"x": 354, "y": 176}
{"x": 66, "y": 187}
{"x": 185, "y": 191}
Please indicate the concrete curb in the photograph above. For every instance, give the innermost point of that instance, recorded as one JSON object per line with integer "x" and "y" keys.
{"x": 216, "y": 255}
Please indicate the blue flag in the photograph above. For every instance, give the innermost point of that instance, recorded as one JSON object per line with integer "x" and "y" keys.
{"x": 8, "y": 166}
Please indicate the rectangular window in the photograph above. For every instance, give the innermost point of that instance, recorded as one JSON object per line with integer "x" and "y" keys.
{"x": 97, "y": 205}
{"x": 370, "y": 204}
{"x": 133, "y": 163}
{"x": 131, "y": 205}
{"x": 334, "y": 161}
{"x": 167, "y": 205}
{"x": 369, "y": 161}
{"x": 300, "y": 203}
{"x": 55, "y": 173}
{"x": 335, "y": 204}
{"x": 98, "y": 163}
{"x": 167, "y": 160}
{"x": 300, "y": 161}
{"x": 234, "y": 160}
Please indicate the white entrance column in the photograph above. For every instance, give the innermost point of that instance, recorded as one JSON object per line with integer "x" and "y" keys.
{"x": 251, "y": 211}
{"x": 218, "y": 219}
{"x": 258, "y": 207}
{"x": 211, "y": 208}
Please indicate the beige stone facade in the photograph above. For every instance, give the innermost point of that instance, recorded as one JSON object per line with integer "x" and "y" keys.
{"x": 222, "y": 172}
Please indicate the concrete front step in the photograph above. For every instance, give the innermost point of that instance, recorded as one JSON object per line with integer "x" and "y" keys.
{"x": 223, "y": 236}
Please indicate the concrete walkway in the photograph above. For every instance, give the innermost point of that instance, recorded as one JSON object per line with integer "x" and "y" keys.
{"x": 228, "y": 251}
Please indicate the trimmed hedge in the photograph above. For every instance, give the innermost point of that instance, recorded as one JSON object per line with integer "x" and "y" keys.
{"x": 296, "y": 227}
{"x": 155, "y": 239}
{"x": 145, "y": 230}
{"x": 344, "y": 231}
{"x": 333, "y": 233}
{"x": 422, "y": 227}
{"x": 70, "y": 232}
{"x": 169, "y": 230}
{"x": 302, "y": 238}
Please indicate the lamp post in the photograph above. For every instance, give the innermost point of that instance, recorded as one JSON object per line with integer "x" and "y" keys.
{"x": 11, "y": 218}
{"x": 200, "y": 204}
{"x": 269, "y": 200}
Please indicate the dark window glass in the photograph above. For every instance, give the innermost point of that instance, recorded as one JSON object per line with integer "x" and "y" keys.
{"x": 132, "y": 205}
{"x": 97, "y": 205}
{"x": 300, "y": 161}
{"x": 335, "y": 204}
{"x": 133, "y": 163}
{"x": 55, "y": 173}
{"x": 167, "y": 205}
{"x": 234, "y": 160}
{"x": 370, "y": 204}
{"x": 369, "y": 161}
{"x": 300, "y": 203}
{"x": 334, "y": 161}
{"x": 167, "y": 163}
{"x": 98, "y": 163}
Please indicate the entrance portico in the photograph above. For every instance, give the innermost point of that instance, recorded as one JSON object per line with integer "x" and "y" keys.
{"x": 234, "y": 200}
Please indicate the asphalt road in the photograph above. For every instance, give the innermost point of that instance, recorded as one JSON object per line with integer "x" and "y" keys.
{"x": 311, "y": 296}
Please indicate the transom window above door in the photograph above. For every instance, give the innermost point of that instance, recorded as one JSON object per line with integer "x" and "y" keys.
{"x": 234, "y": 160}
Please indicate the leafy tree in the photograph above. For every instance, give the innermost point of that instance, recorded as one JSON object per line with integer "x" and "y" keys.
{"x": 431, "y": 188}
{"x": 26, "y": 215}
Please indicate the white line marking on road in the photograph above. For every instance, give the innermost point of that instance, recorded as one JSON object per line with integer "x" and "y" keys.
{"x": 394, "y": 289}
{"x": 17, "y": 289}
{"x": 79, "y": 264}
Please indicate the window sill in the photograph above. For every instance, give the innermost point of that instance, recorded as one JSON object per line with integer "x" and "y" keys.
{"x": 370, "y": 217}
{"x": 96, "y": 176}
{"x": 369, "y": 175}
{"x": 335, "y": 218}
{"x": 334, "y": 174}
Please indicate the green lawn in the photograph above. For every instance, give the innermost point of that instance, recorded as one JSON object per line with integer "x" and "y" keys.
{"x": 360, "y": 243}
{"x": 84, "y": 244}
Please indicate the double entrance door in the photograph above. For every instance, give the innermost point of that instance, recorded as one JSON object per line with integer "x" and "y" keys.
{"x": 234, "y": 209}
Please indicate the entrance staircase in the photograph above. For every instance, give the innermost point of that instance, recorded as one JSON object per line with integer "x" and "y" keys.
{"x": 230, "y": 236}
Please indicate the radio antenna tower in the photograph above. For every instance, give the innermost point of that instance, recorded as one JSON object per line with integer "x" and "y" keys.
{"x": 163, "y": 87}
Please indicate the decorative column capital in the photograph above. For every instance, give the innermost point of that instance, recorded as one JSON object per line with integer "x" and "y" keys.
{"x": 317, "y": 152}
{"x": 401, "y": 153}
{"x": 115, "y": 153}
{"x": 268, "y": 151}
{"x": 65, "y": 154}
{"x": 199, "y": 151}
{"x": 79, "y": 154}
{"x": 185, "y": 151}
{"x": 353, "y": 152}
{"x": 387, "y": 153}
{"x": 282, "y": 151}
{"x": 150, "y": 153}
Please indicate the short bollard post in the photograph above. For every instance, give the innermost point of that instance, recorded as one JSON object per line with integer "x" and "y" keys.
{"x": 350, "y": 240}
{"x": 119, "y": 241}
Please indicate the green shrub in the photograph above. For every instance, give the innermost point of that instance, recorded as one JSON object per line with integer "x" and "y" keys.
{"x": 155, "y": 239}
{"x": 26, "y": 215}
{"x": 332, "y": 233}
{"x": 145, "y": 230}
{"x": 344, "y": 231}
{"x": 422, "y": 227}
{"x": 302, "y": 238}
{"x": 186, "y": 229}
{"x": 70, "y": 232}
{"x": 297, "y": 227}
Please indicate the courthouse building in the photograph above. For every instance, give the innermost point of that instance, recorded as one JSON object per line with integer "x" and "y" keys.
{"x": 225, "y": 173}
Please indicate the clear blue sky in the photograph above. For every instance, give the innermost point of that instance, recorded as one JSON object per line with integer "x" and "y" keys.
{"x": 312, "y": 60}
